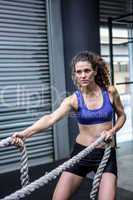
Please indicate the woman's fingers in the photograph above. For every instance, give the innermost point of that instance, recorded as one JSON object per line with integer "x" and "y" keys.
{"x": 107, "y": 136}
{"x": 17, "y": 141}
{"x": 20, "y": 137}
{"x": 108, "y": 140}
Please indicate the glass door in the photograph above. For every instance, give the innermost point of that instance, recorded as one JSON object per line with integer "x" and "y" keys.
{"x": 123, "y": 73}
{"x": 123, "y": 78}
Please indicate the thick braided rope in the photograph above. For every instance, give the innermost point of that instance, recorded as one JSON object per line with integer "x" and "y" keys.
{"x": 98, "y": 175}
{"x": 5, "y": 142}
{"x": 53, "y": 174}
{"x": 24, "y": 166}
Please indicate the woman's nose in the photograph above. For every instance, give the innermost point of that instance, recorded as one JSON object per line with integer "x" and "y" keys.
{"x": 83, "y": 74}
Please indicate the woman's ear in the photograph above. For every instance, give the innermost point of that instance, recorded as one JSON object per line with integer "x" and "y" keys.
{"x": 95, "y": 72}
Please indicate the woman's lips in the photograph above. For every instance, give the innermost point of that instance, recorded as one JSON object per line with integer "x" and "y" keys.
{"x": 84, "y": 81}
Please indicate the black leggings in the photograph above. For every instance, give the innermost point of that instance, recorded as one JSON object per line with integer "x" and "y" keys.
{"x": 92, "y": 160}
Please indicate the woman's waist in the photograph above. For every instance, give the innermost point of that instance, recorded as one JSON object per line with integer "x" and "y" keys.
{"x": 94, "y": 128}
{"x": 87, "y": 139}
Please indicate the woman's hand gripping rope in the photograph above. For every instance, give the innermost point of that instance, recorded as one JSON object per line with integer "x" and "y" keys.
{"x": 17, "y": 139}
{"x": 107, "y": 135}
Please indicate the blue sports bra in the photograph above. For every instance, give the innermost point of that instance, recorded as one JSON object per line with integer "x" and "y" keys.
{"x": 95, "y": 116}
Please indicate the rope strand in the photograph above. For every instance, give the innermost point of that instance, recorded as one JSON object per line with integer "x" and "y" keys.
{"x": 98, "y": 175}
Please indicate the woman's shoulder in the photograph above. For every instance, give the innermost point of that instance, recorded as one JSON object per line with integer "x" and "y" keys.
{"x": 112, "y": 89}
{"x": 74, "y": 101}
{"x": 113, "y": 93}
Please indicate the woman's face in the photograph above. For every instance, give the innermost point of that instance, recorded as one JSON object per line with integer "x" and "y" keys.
{"x": 84, "y": 73}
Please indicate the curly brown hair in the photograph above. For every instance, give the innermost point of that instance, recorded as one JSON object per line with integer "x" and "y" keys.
{"x": 103, "y": 76}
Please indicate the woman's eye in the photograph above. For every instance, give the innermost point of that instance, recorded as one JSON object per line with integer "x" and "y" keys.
{"x": 87, "y": 71}
{"x": 81, "y": 71}
{"x": 78, "y": 72}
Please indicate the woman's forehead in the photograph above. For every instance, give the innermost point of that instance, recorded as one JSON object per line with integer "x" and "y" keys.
{"x": 83, "y": 64}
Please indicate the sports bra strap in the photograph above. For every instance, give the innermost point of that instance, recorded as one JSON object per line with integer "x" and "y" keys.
{"x": 80, "y": 99}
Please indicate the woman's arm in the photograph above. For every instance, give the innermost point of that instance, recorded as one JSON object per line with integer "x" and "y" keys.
{"x": 46, "y": 121}
{"x": 119, "y": 109}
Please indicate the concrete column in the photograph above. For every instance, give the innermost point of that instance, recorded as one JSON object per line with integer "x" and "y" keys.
{"x": 80, "y": 22}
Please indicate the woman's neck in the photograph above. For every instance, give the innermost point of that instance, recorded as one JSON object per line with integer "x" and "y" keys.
{"x": 90, "y": 89}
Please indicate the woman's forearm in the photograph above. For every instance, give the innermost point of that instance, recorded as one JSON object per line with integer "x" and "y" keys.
{"x": 43, "y": 123}
{"x": 46, "y": 121}
{"x": 119, "y": 123}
